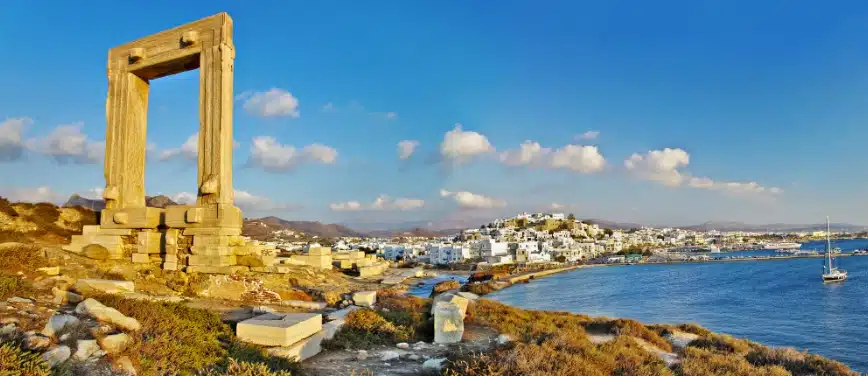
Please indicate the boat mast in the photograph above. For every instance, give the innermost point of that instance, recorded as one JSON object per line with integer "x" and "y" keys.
{"x": 828, "y": 246}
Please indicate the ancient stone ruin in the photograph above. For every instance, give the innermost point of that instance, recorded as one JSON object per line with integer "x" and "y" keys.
{"x": 204, "y": 237}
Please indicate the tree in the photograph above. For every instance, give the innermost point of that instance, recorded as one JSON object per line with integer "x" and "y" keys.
{"x": 571, "y": 217}
{"x": 561, "y": 258}
{"x": 608, "y": 231}
{"x": 647, "y": 253}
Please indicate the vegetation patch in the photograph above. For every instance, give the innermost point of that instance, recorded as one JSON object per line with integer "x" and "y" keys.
{"x": 365, "y": 328}
{"x": 13, "y": 286}
{"x": 16, "y": 257}
{"x": 14, "y": 360}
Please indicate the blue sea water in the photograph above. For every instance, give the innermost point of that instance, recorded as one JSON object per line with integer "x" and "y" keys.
{"x": 777, "y": 303}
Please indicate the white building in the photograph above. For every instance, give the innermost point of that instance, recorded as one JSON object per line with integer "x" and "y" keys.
{"x": 491, "y": 248}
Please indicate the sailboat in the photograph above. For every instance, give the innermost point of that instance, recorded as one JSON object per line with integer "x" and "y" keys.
{"x": 830, "y": 272}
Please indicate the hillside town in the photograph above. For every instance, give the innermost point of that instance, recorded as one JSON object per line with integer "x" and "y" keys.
{"x": 551, "y": 237}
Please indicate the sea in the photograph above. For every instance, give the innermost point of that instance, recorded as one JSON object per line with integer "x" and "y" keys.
{"x": 776, "y": 302}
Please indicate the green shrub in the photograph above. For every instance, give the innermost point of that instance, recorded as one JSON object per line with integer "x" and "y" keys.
{"x": 365, "y": 328}
{"x": 703, "y": 362}
{"x": 722, "y": 343}
{"x": 235, "y": 368}
{"x": 174, "y": 339}
{"x": 15, "y": 361}
{"x": 13, "y": 286}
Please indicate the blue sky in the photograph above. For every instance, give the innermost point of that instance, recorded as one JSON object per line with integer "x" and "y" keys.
{"x": 760, "y": 105}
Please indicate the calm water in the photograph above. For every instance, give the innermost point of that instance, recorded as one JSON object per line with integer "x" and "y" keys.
{"x": 777, "y": 303}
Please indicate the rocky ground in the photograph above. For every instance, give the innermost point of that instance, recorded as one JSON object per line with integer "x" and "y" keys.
{"x": 403, "y": 359}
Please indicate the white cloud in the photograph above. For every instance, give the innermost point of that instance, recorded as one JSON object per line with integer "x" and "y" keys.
{"x": 272, "y": 103}
{"x": 267, "y": 153}
{"x": 189, "y": 150}
{"x": 94, "y": 193}
{"x": 659, "y": 165}
{"x": 460, "y": 146}
{"x": 243, "y": 199}
{"x": 248, "y": 201}
{"x": 383, "y": 202}
{"x": 67, "y": 144}
{"x": 528, "y": 153}
{"x": 578, "y": 158}
{"x": 556, "y": 206}
{"x": 183, "y": 198}
{"x": 406, "y": 148}
{"x": 346, "y": 206}
{"x": 468, "y": 200}
{"x": 11, "y": 144}
{"x": 589, "y": 135}
{"x": 329, "y": 107}
{"x": 663, "y": 166}
{"x": 38, "y": 194}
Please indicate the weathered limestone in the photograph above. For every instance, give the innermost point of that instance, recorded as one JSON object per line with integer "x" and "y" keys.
{"x": 448, "y": 322}
{"x": 115, "y": 343}
{"x": 57, "y": 322}
{"x": 452, "y": 298}
{"x": 106, "y": 314}
{"x": 365, "y": 298}
{"x": 301, "y": 350}
{"x": 279, "y": 329}
{"x": 57, "y": 355}
{"x": 84, "y": 348}
{"x": 104, "y": 285}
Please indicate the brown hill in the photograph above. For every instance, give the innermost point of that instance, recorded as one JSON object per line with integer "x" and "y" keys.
{"x": 310, "y": 228}
{"x": 42, "y": 223}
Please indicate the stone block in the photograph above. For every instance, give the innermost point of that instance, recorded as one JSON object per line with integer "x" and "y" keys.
{"x": 451, "y": 297}
{"x": 200, "y": 260}
{"x": 364, "y": 262}
{"x": 170, "y": 258}
{"x": 252, "y": 260}
{"x": 132, "y": 218}
{"x": 149, "y": 242}
{"x": 301, "y": 350}
{"x": 102, "y": 313}
{"x": 104, "y": 285}
{"x": 211, "y": 231}
{"x": 365, "y": 298}
{"x": 279, "y": 329}
{"x": 212, "y": 250}
{"x": 319, "y": 251}
{"x": 173, "y": 266}
{"x": 370, "y": 271}
{"x": 141, "y": 258}
{"x": 448, "y": 323}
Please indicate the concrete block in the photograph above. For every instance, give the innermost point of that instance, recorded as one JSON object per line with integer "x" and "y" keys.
{"x": 451, "y": 297}
{"x": 279, "y": 329}
{"x": 365, "y": 298}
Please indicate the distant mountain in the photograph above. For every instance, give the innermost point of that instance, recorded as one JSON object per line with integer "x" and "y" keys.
{"x": 97, "y": 205}
{"x": 76, "y": 200}
{"x": 159, "y": 201}
{"x": 612, "y": 225}
{"x": 773, "y": 227}
{"x": 413, "y": 232}
{"x": 312, "y": 228}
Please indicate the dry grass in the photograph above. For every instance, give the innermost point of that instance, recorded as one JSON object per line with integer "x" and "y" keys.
{"x": 13, "y": 286}
{"x": 16, "y": 257}
{"x": 557, "y": 343}
{"x": 14, "y": 360}
{"x": 179, "y": 340}
{"x": 365, "y": 328}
